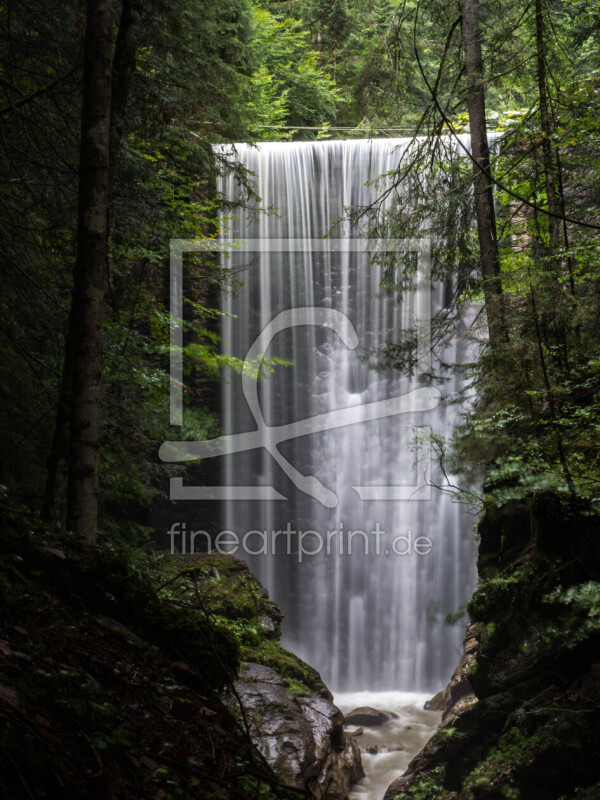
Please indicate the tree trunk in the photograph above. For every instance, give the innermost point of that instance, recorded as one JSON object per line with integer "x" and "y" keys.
{"x": 87, "y": 310}
{"x": 55, "y": 497}
{"x": 556, "y": 316}
{"x": 546, "y": 125}
{"x": 123, "y": 67}
{"x": 122, "y": 72}
{"x": 483, "y": 190}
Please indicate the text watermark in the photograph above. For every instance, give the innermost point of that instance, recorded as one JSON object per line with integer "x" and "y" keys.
{"x": 289, "y": 541}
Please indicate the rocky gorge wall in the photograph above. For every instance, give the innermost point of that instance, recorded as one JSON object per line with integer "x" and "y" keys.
{"x": 285, "y": 706}
{"x": 127, "y": 675}
{"x": 522, "y": 711}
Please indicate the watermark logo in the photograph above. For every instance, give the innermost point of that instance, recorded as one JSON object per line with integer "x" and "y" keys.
{"x": 269, "y": 437}
{"x": 299, "y": 543}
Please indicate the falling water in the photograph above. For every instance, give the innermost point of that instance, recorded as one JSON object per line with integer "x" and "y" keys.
{"x": 373, "y": 620}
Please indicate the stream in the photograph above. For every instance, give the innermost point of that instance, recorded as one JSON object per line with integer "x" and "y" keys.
{"x": 387, "y": 749}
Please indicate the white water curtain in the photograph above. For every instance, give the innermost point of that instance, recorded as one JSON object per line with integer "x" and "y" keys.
{"x": 371, "y": 621}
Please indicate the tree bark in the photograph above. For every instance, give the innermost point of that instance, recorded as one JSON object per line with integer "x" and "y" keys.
{"x": 546, "y": 124}
{"x": 123, "y": 67}
{"x": 556, "y": 316}
{"x": 55, "y": 497}
{"x": 483, "y": 190}
{"x": 87, "y": 310}
{"x": 122, "y": 72}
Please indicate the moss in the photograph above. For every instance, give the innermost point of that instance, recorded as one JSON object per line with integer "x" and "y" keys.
{"x": 294, "y": 671}
{"x": 221, "y": 584}
{"x": 428, "y": 787}
{"x": 513, "y": 749}
{"x": 499, "y": 597}
{"x": 584, "y": 793}
{"x": 225, "y": 589}
{"x": 296, "y": 688}
{"x": 542, "y": 741}
{"x": 121, "y": 583}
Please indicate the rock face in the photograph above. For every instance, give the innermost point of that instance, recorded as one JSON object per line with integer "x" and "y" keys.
{"x": 366, "y": 716}
{"x": 460, "y": 690}
{"x": 459, "y": 694}
{"x": 300, "y": 735}
{"x": 288, "y": 708}
{"x": 399, "y": 785}
{"x": 522, "y": 711}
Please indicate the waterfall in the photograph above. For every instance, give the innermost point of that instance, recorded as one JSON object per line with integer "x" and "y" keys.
{"x": 371, "y": 620}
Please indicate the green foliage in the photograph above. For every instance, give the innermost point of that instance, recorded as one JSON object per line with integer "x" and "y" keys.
{"x": 194, "y": 86}
{"x": 579, "y": 617}
{"x": 290, "y": 87}
{"x": 583, "y": 793}
{"x": 455, "y": 618}
{"x": 428, "y": 787}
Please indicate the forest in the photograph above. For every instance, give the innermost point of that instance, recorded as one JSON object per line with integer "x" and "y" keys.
{"x": 128, "y": 671}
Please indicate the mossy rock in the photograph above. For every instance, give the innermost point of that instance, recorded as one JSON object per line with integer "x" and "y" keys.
{"x": 295, "y": 672}
{"x": 221, "y": 584}
{"x": 238, "y": 603}
{"x": 121, "y": 584}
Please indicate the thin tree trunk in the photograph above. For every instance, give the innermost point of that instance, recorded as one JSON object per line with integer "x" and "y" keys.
{"x": 549, "y": 396}
{"x": 554, "y": 204}
{"x": 123, "y": 67}
{"x": 122, "y": 72}
{"x": 55, "y": 497}
{"x": 566, "y": 238}
{"x": 546, "y": 125}
{"x": 484, "y": 196}
{"x": 87, "y": 312}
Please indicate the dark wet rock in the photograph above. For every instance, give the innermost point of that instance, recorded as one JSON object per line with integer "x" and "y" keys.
{"x": 395, "y": 788}
{"x": 270, "y": 618}
{"x": 302, "y": 736}
{"x": 369, "y": 717}
{"x": 522, "y": 713}
{"x": 267, "y": 623}
{"x": 357, "y": 732}
{"x": 258, "y": 673}
{"x": 458, "y": 694}
{"x": 439, "y": 702}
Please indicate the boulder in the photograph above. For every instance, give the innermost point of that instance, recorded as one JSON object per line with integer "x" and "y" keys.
{"x": 357, "y": 732}
{"x": 369, "y": 717}
{"x": 301, "y": 736}
{"x": 439, "y": 702}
